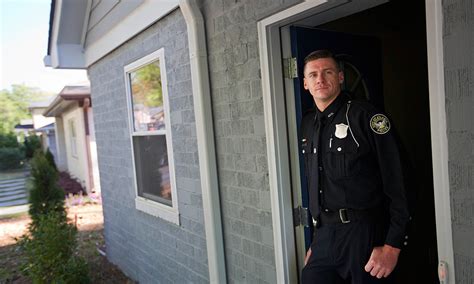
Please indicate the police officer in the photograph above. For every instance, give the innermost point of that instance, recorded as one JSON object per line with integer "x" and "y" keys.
{"x": 355, "y": 182}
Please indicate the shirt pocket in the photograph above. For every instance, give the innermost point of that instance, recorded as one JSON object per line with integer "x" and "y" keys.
{"x": 342, "y": 159}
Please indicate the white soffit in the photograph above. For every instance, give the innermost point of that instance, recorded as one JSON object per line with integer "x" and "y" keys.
{"x": 141, "y": 18}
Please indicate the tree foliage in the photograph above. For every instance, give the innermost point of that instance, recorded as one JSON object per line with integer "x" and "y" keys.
{"x": 31, "y": 145}
{"x": 49, "y": 251}
{"x": 50, "y": 157}
{"x": 14, "y": 105}
{"x": 45, "y": 194}
{"x": 146, "y": 85}
{"x": 49, "y": 247}
{"x": 11, "y": 152}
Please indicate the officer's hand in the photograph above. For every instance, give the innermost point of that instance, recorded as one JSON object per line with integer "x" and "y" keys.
{"x": 382, "y": 261}
{"x": 308, "y": 255}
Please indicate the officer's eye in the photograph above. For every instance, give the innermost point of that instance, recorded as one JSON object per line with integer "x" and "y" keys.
{"x": 311, "y": 75}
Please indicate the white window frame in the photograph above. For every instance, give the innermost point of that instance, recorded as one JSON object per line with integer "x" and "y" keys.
{"x": 168, "y": 213}
{"x": 73, "y": 137}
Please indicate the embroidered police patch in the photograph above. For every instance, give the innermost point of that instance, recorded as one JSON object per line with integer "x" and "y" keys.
{"x": 380, "y": 124}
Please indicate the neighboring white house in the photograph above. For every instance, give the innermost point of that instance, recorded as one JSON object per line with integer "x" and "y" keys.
{"x": 209, "y": 189}
{"x": 23, "y": 129}
{"x": 75, "y": 138}
{"x": 44, "y": 126}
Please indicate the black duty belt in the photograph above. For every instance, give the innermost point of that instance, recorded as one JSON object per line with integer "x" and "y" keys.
{"x": 346, "y": 215}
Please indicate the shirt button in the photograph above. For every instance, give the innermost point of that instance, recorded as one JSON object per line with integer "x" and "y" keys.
{"x": 320, "y": 169}
{"x": 339, "y": 149}
{"x": 320, "y": 191}
{"x": 405, "y": 243}
{"x": 406, "y": 237}
{"x": 326, "y": 210}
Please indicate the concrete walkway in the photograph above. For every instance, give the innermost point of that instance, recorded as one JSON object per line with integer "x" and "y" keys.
{"x": 13, "y": 196}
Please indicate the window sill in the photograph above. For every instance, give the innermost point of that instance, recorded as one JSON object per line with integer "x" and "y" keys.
{"x": 156, "y": 209}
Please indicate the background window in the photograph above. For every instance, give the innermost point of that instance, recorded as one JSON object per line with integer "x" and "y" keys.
{"x": 73, "y": 137}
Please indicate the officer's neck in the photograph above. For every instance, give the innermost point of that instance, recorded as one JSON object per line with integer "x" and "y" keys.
{"x": 323, "y": 105}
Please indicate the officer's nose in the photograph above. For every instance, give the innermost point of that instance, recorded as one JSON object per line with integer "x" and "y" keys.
{"x": 320, "y": 79}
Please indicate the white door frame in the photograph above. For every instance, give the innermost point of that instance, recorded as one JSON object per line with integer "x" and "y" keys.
{"x": 277, "y": 137}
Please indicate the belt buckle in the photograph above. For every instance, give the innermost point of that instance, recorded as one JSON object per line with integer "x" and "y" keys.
{"x": 343, "y": 216}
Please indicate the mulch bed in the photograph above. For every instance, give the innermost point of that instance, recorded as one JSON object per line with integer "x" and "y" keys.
{"x": 88, "y": 219}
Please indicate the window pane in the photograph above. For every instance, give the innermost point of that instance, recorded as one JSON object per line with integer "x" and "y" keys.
{"x": 152, "y": 170}
{"x": 147, "y": 98}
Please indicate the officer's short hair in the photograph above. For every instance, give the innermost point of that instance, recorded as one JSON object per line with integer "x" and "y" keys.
{"x": 322, "y": 53}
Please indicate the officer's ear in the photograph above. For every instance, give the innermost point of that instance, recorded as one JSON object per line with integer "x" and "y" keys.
{"x": 305, "y": 84}
{"x": 341, "y": 77}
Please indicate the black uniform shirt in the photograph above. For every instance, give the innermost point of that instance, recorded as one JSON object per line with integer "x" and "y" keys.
{"x": 352, "y": 161}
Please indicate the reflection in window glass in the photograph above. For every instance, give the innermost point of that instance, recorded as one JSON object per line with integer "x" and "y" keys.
{"x": 147, "y": 98}
{"x": 152, "y": 169}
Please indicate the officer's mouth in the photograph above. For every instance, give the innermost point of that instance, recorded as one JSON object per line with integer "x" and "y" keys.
{"x": 322, "y": 88}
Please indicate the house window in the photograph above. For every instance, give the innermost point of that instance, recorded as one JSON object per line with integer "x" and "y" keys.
{"x": 73, "y": 137}
{"x": 150, "y": 132}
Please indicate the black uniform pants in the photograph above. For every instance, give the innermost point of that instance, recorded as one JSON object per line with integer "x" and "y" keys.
{"x": 340, "y": 253}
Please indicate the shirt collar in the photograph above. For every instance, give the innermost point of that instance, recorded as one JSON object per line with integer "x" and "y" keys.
{"x": 334, "y": 106}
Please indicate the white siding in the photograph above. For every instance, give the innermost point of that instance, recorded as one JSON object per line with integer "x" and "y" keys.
{"x": 76, "y": 164}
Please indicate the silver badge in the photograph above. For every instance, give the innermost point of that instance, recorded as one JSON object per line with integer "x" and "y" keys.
{"x": 341, "y": 130}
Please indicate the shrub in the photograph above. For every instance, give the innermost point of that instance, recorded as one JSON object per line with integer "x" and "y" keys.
{"x": 49, "y": 251}
{"x": 45, "y": 194}
{"x": 32, "y": 143}
{"x": 11, "y": 158}
{"x": 49, "y": 156}
{"x": 49, "y": 246}
{"x": 8, "y": 141}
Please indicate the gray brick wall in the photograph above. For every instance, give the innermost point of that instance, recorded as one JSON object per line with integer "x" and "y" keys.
{"x": 147, "y": 248}
{"x": 458, "y": 37}
{"x": 237, "y": 105}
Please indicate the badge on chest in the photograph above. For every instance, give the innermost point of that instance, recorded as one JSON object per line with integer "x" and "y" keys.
{"x": 341, "y": 130}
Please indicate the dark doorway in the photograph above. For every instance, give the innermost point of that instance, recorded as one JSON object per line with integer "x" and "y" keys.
{"x": 400, "y": 29}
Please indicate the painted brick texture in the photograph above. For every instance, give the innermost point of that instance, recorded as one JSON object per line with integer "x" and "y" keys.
{"x": 147, "y": 248}
{"x": 458, "y": 36}
{"x": 237, "y": 105}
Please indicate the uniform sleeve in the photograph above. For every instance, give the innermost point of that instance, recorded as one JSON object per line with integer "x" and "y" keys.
{"x": 385, "y": 145}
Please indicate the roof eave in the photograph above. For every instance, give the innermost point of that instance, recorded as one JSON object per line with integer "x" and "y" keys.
{"x": 64, "y": 54}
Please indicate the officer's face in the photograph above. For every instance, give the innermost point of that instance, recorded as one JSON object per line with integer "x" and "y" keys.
{"x": 322, "y": 79}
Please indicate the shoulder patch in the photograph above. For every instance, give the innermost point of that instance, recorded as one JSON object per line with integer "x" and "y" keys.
{"x": 380, "y": 124}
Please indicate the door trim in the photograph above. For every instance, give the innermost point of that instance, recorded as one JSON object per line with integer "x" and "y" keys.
{"x": 277, "y": 136}
{"x": 439, "y": 137}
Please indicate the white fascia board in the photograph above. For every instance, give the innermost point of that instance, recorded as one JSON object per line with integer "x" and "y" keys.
{"x": 141, "y": 18}
{"x": 63, "y": 56}
{"x": 53, "y": 56}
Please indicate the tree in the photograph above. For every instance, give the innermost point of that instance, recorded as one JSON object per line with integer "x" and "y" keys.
{"x": 14, "y": 105}
{"x": 45, "y": 194}
{"x": 146, "y": 85}
{"x": 50, "y": 244}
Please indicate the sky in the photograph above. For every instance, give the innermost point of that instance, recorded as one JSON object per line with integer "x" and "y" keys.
{"x": 24, "y": 29}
